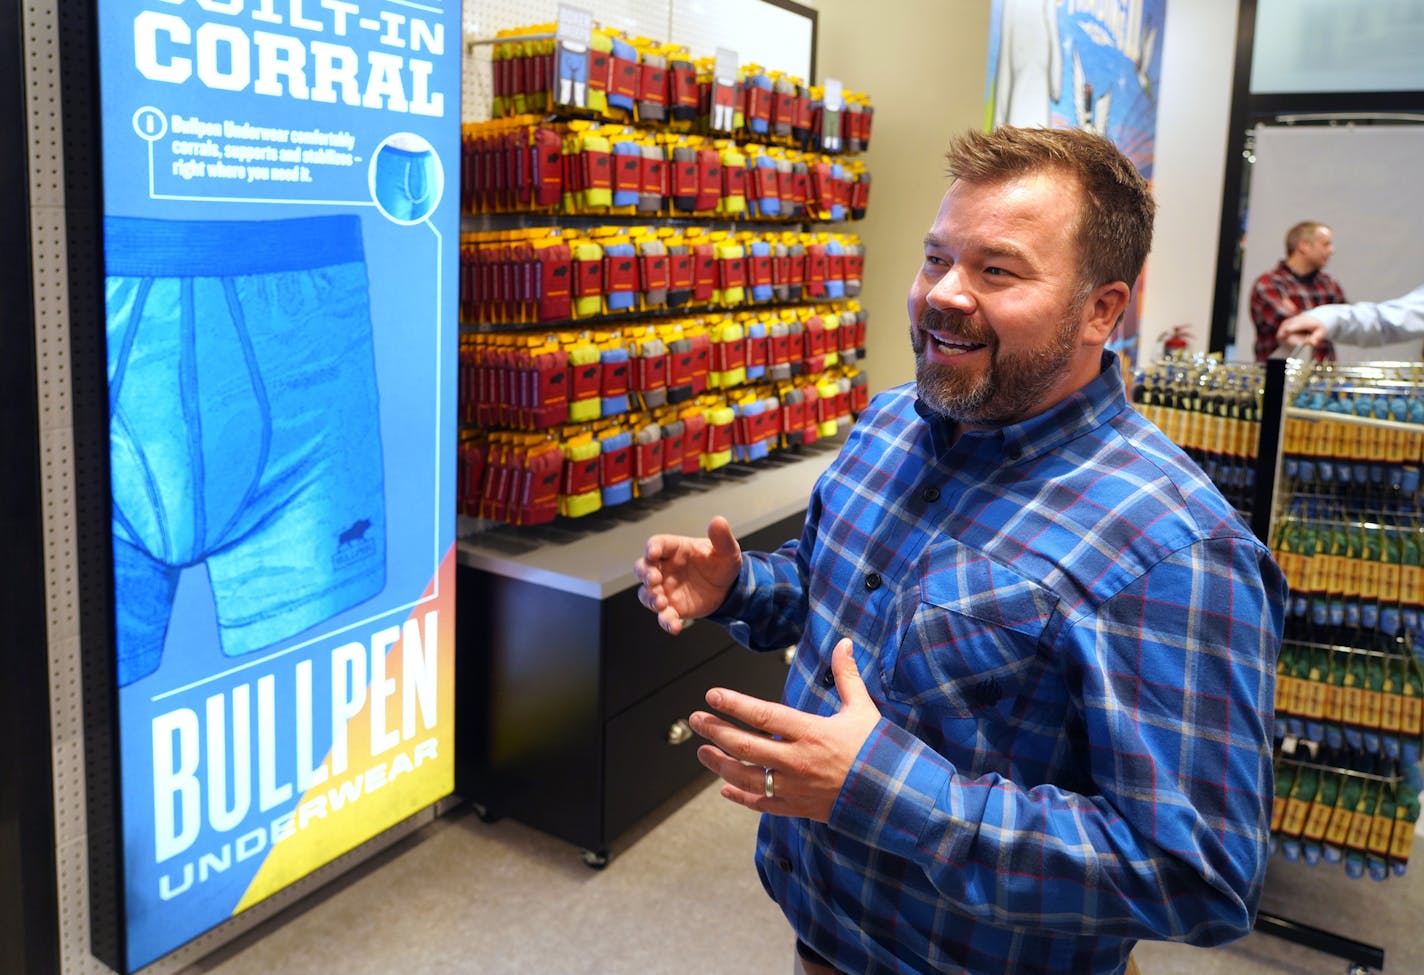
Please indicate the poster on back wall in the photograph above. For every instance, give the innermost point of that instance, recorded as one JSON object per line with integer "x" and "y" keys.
{"x": 1086, "y": 64}
{"x": 281, "y": 228}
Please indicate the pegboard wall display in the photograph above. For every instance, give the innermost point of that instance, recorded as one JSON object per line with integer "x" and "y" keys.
{"x": 653, "y": 281}
{"x": 777, "y": 34}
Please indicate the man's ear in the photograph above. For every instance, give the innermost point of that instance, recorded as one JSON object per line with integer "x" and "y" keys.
{"x": 1102, "y": 311}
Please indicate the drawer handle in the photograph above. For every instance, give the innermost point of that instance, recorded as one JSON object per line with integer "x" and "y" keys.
{"x": 679, "y": 733}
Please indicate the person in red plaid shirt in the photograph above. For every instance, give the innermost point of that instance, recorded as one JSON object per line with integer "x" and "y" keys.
{"x": 1294, "y": 285}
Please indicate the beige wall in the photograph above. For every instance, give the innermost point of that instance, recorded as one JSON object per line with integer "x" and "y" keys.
{"x": 922, "y": 63}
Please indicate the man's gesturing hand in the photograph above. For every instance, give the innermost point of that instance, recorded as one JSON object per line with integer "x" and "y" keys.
{"x": 808, "y": 756}
{"x": 685, "y": 578}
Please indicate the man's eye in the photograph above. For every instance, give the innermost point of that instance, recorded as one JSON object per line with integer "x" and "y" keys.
{"x": 996, "y": 272}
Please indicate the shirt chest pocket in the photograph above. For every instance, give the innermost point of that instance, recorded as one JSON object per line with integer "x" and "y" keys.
{"x": 972, "y": 640}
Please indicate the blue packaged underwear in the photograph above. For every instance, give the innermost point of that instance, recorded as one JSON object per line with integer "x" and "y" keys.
{"x": 762, "y": 291}
{"x": 627, "y": 52}
{"x": 618, "y": 403}
{"x": 838, "y": 210}
{"x": 244, "y": 426}
{"x": 835, "y": 287}
{"x": 628, "y": 159}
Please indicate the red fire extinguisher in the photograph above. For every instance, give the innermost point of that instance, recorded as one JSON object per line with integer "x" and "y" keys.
{"x": 1174, "y": 341}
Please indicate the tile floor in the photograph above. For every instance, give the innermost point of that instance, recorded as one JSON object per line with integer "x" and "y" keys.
{"x": 679, "y": 897}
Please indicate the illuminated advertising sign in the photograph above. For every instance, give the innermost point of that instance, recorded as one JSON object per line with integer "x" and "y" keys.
{"x": 281, "y": 231}
{"x": 1094, "y": 65}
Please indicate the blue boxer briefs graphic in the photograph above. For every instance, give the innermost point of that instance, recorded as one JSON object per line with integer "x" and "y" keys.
{"x": 244, "y": 426}
{"x": 406, "y": 181}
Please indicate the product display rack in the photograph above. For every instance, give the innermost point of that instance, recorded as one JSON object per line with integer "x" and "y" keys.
{"x": 651, "y": 283}
{"x": 710, "y": 368}
{"x": 1213, "y": 411}
{"x": 1335, "y": 492}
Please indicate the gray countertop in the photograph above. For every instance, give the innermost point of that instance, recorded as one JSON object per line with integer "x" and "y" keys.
{"x": 593, "y": 556}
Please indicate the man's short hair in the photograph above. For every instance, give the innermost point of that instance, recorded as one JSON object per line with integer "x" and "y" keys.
{"x": 1115, "y": 214}
{"x": 1302, "y": 232}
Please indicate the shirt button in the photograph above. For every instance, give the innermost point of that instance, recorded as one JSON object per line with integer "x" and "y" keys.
{"x": 986, "y": 692}
{"x": 930, "y": 494}
{"x": 872, "y": 582}
{"x": 1015, "y": 454}
{"x": 828, "y": 678}
{"x": 783, "y": 863}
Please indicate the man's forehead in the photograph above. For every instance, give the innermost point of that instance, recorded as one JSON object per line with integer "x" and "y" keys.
{"x": 1049, "y": 185}
{"x": 1018, "y": 204}
{"x": 1061, "y": 176}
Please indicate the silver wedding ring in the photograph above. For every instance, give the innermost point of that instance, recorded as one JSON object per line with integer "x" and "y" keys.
{"x": 770, "y": 787}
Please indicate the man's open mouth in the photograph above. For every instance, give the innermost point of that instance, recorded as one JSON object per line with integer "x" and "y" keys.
{"x": 950, "y": 345}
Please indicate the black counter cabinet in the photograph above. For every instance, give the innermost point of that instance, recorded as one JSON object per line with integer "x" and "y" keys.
{"x": 571, "y": 701}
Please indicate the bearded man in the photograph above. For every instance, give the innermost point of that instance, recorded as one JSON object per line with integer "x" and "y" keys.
{"x": 1028, "y": 719}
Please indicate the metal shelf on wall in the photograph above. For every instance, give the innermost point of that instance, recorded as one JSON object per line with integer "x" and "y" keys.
{"x": 641, "y": 316}
{"x": 531, "y": 220}
{"x": 472, "y": 42}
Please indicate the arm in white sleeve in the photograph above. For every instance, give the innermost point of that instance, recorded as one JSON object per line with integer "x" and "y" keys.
{"x": 1375, "y": 323}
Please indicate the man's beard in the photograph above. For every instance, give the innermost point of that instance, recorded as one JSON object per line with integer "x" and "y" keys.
{"x": 1014, "y": 382}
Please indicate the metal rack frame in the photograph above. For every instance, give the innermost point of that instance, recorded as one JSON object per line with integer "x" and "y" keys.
{"x": 1285, "y": 372}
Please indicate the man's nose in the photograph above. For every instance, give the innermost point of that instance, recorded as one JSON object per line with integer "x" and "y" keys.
{"x": 950, "y": 292}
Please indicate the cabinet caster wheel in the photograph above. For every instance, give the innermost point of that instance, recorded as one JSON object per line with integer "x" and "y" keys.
{"x": 484, "y": 813}
{"x": 1358, "y": 970}
{"x": 595, "y": 859}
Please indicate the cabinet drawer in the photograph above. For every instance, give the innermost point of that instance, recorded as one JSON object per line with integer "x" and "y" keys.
{"x": 640, "y": 657}
{"x": 643, "y": 767}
